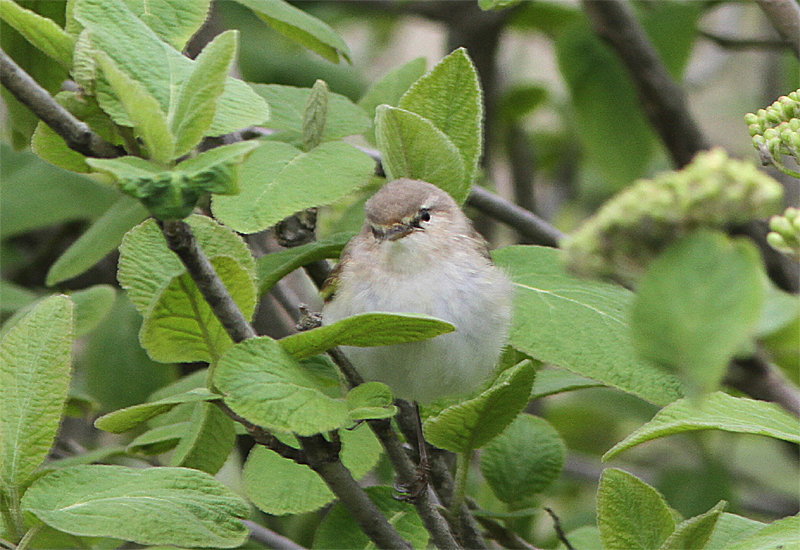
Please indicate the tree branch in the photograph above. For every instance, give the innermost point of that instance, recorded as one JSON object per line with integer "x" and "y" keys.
{"x": 784, "y": 15}
{"x": 270, "y": 538}
{"x": 755, "y": 377}
{"x": 663, "y": 100}
{"x": 78, "y": 135}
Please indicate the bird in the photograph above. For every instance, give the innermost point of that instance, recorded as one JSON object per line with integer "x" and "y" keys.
{"x": 418, "y": 253}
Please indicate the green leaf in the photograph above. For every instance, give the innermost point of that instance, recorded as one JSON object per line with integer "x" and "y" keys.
{"x": 611, "y": 124}
{"x": 36, "y": 194}
{"x": 731, "y": 528}
{"x": 266, "y": 385}
{"x": 694, "y": 533}
{"x": 174, "y": 21}
{"x": 365, "y": 330}
{"x": 631, "y": 515}
{"x": 780, "y": 309}
{"x": 179, "y": 324}
{"x": 208, "y": 440}
{"x": 578, "y": 324}
{"x": 34, "y": 380}
{"x": 271, "y": 268}
{"x": 450, "y": 96}
{"x": 170, "y": 506}
{"x": 14, "y": 297}
{"x": 716, "y": 411}
{"x": 487, "y": 5}
{"x": 391, "y": 87}
{"x": 128, "y": 418}
{"x": 215, "y": 170}
{"x": 197, "y": 98}
{"x": 697, "y": 305}
{"x": 159, "y": 440}
{"x": 102, "y": 237}
{"x": 783, "y": 533}
{"x": 182, "y": 327}
{"x": 296, "y": 24}
{"x": 315, "y": 115}
{"x": 278, "y": 180}
{"x": 280, "y": 486}
{"x": 551, "y": 381}
{"x": 339, "y": 529}
{"x": 471, "y": 424}
{"x": 412, "y": 146}
{"x": 524, "y": 460}
{"x": 40, "y": 31}
{"x": 371, "y": 400}
{"x": 159, "y": 67}
{"x": 287, "y": 104}
{"x": 143, "y": 110}
{"x": 91, "y": 307}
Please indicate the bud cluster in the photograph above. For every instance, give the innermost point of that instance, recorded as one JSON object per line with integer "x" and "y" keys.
{"x": 776, "y": 131}
{"x": 785, "y": 234}
{"x": 713, "y": 191}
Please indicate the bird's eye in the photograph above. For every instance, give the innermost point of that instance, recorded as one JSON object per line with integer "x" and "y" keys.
{"x": 424, "y": 215}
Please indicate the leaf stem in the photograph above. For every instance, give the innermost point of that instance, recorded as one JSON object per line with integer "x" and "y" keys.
{"x": 463, "y": 460}
{"x": 29, "y": 536}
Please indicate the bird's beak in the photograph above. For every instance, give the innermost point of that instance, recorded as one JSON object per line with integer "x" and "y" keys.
{"x": 398, "y": 231}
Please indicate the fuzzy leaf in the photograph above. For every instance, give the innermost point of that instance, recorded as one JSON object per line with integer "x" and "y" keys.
{"x": 208, "y": 440}
{"x": 128, "y": 418}
{"x": 174, "y": 21}
{"x": 552, "y": 381}
{"x": 40, "y": 31}
{"x": 450, "y": 96}
{"x": 413, "y": 147}
{"x": 694, "y": 533}
{"x": 301, "y": 27}
{"x": 278, "y": 180}
{"x": 578, "y": 324}
{"x": 365, "y": 330}
{"x": 371, "y": 400}
{"x": 171, "y": 506}
{"x": 783, "y": 533}
{"x": 716, "y": 411}
{"x": 631, "y": 515}
{"x": 524, "y": 460}
{"x": 471, "y": 424}
{"x": 263, "y": 383}
{"x": 34, "y": 380}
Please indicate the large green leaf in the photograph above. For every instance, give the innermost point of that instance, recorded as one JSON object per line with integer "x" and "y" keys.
{"x": 301, "y": 27}
{"x": 365, "y": 330}
{"x": 208, "y": 440}
{"x": 263, "y": 383}
{"x": 149, "y": 121}
{"x": 471, "y": 424}
{"x": 280, "y": 486}
{"x": 160, "y": 68}
{"x": 154, "y": 506}
{"x": 34, "y": 380}
{"x": 36, "y": 194}
{"x": 340, "y": 530}
{"x": 99, "y": 240}
{"x": 784, "y": 533}
{"x": 278, "y": 180}
{"x": 730, "y": 528}
{"x": 631, "y": 515}
{"x": 412, "y": 146}
{"x": 450, "y": 96}
{"x": 716, "y": 411}
{"x": 697, "y": 306}
{"x": 128, "y": 418}
{"x": 524, "y": 460}
{"x": 611, "y": 125}
{"x": 174, "y": 21}
{"x": 197, "y": 98}
{"x": 288, "y": 103}
{"x": 271, "y": 268}
{"x": 578, "y": 324}
{"x": 179, "y": 324}
{"x": 40, "y": 31}
{"x": 695, "y": 532}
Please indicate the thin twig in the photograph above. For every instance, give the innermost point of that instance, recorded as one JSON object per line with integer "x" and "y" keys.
{"x": 757, "y": 378}
{"x": 663, "y": 100}
{"x": 559, "y": 531}
{"x": 270, "y": 538}
{"x": 78, "y": 135}
{"x": 504, "y": 536}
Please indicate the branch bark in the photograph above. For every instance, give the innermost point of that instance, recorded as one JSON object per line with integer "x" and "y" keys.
{"x": 78, "y": 135}
{"x": 663, "y": 100}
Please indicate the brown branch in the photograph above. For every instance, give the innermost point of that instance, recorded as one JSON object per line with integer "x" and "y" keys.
{"x": 78, "y": 135}
{"x": 663, "y": 100}
{"x": 270, "y": 538}
{"x": 755, "y": 377}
